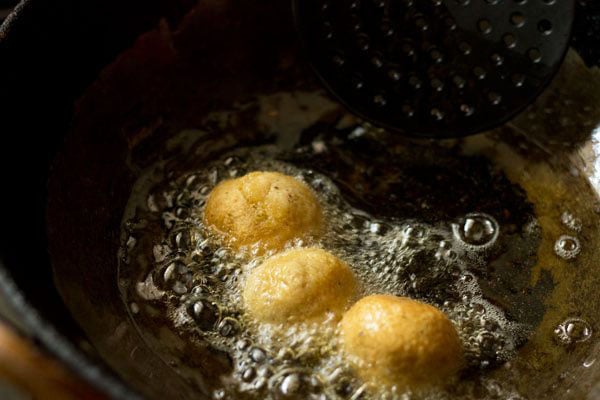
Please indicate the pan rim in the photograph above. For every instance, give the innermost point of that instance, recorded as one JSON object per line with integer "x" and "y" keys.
{"x": 59, "y": 346}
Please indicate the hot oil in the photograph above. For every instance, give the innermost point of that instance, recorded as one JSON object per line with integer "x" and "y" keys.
{"x": 433, "y": 222}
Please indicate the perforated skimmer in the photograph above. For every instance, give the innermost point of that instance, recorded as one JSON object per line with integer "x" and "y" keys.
{"x": 436, "y": 68}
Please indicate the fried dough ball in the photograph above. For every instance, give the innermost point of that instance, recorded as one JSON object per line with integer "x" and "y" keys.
{"x": 299, "y": 285}
{"x": 393, "y": 340}
{"x": 268, "y": 209}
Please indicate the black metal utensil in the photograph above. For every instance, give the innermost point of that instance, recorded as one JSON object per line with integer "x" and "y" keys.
{"x": 436, "y": 68}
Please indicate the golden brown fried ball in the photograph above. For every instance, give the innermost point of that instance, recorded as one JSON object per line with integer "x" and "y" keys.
{"x": 265, "y": 208}
{"x": 299, "y": 285}
{"x": 398, "y": 341}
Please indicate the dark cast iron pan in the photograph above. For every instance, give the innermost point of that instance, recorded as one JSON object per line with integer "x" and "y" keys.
{"x": 61, "y": 215}
{"x": 49, "y": 52}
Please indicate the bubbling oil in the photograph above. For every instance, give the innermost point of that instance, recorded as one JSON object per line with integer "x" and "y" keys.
{"x": 170, "y": 260}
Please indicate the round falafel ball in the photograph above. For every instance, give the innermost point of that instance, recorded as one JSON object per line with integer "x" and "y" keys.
{"x": 263, "y": 209}
{"x": 299, "y": 285}
{"x": 398, "y": 341}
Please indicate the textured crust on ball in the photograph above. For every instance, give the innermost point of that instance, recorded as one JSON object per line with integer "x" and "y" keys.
{"x": 299, "y": 285}
{"x": 265, "y": 208}
{"x": 398, "y": 341}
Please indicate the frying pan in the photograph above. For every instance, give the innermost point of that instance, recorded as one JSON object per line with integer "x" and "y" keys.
{"x": 69, "y": 162}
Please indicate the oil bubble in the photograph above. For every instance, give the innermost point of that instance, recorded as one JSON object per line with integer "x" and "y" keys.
{"x": 243, "y": 344}
{"x": 181, "y": 240}
{"x": 204, "y": 313}
{"x": 257, "y": 354}
{"x": 567, "y": 247}
{"x": 248, "y": 374}
{"x": 413, "y": 231}
{"x": 174, "y": 275}
{"x": 573, "y": 330}
{"x": 570, "y": 221}
{"x": 589, "y": 362}
{"x": 191, "y": 181}
{"x": 179, "y": 287}
{"x": 476, "y": 230}
{"x": 375, "y": 227}
{"x": 228, "y": 327}
{"x": 291, "y": 384}
{"x": 285, "y": 354}
{"x": 260, "y": 383}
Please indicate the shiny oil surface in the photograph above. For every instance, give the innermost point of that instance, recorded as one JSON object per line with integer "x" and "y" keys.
{"x": 455, "y": 224}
